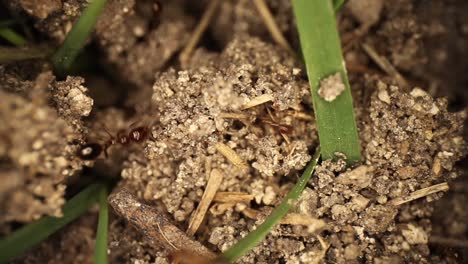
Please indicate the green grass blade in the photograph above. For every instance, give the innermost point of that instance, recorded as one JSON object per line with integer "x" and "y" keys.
{"x": 31, "y": 234}
{"x": 76, "y": 39}
{"x": 12, "y": 37}
{"x": 7, "y": 23}
{"x": 100, "y": 251}
{"x": 337, "y": 4}
{"x": 322, "y": 53}
{"x": 253, "y": 238}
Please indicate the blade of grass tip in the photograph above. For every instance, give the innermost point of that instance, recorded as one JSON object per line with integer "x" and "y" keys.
{"x": 77, "y": 36}
{"x": 33, "y": 233}
{"x": 100, "y": 251}
{"x": 253, "y": 238}
{"x": 12, "y": 37}
{"x": 322, "y": 53}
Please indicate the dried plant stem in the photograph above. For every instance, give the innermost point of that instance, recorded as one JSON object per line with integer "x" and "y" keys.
{"x": 264, "y": 98}
{"x": 271, "y": 25}
{"x": 231, "y": 155}
{"x": 154, "y": 224}
{"x": 384, "y": 64}
{"x": 325, "y": 248}
{"x": 239, "y": 116}
{"x": 290, "y": 219}
{"x": 12, "y": 54}
{"x": 420, "y": 193}
{"x": 184, "y": 56}
{"x": 216, "y": 177}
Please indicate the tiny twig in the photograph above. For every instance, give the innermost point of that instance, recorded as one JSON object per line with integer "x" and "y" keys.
{"x": 165, "y": 238}
{"x": 232, "y": 156}
{"x": 324, "y": 246}
{"x": 233, "y": 115}
{"x": 264, "y": 98}
{"x": 13, "y": 54}
{"x": 198, "y": 32}
{"x": 216, "y": 177}
{"x": 271, "y": 25}
{"x": 313, "y": 223}
{"x": 251, "y": 213}
{"x": 232, "y": 197}
{"x": 384, "y": 64}
{"x": 421, "y": 193}
{"x": 301, "y": 115}
{"x": 154, "y": 224}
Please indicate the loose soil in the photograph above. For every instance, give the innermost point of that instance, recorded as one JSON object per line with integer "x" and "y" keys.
{"x": 240, "y": 111}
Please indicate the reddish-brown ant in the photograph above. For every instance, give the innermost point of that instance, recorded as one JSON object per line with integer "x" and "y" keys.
{"x": 283, "y": 128}
{"x": 91, "y": 151}
{"x": 271, "y": 120}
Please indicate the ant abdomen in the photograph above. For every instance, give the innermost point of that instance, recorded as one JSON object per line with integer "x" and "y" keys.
{"x": 138, "y": 134}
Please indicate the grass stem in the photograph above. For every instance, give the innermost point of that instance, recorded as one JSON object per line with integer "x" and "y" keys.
{"x": 12, "y": 37}
{"x": 253, "y": 238}
{"x": 100, "y": 251}
{"x": 33, "y": 233}
{"x": 76, "y": 38}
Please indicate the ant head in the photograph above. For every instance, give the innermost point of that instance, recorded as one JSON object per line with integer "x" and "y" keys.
{"x": 89, "y": 151}
{"x": 138, "y": 134}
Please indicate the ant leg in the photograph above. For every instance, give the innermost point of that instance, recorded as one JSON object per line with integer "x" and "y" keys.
{"x": 108, "y": 133}
{"x": 133, "y": 125}
{"x": 106, "y": 147}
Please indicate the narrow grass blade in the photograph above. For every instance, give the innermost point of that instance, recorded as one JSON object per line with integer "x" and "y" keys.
{"x": 7, "y": 23}
{"x": 100, "y": 251}
{"x": 76, "y": 39}
{"x": 13, "y": 54}
{"x": 322, "y": 53}
{"x": 337, "y": 4}
{"x": 31, "y": 234}
{"x": 12, "y": 37}
{"x": 253, "y": 238}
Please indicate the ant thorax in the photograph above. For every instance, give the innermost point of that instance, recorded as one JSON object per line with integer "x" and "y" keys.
{"x": 92, "y": 150}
